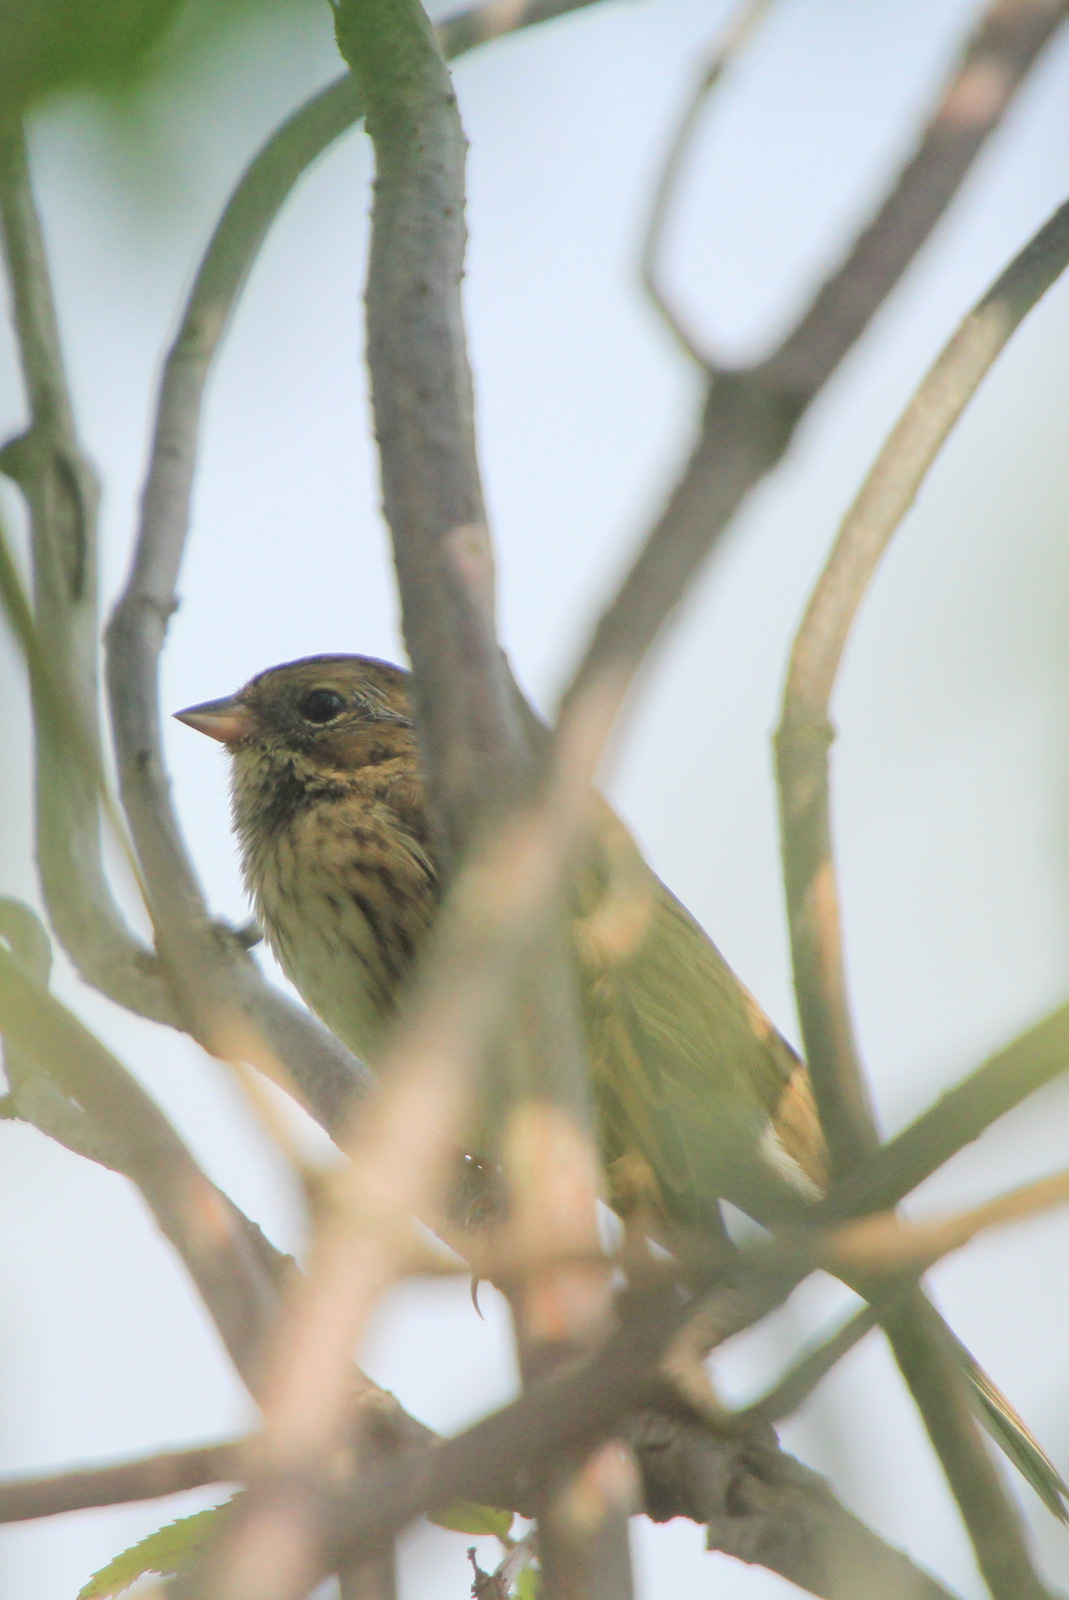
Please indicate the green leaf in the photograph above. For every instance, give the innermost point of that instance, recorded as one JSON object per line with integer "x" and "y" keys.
{"x": 464, "y": 1516}
{"x": 527, "y": 1586}
{"x": 164, "y": 1552}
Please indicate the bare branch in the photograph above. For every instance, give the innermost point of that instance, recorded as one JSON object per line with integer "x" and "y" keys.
{"x": 750, "y": 415}
{"x": 883, "y": 1243}
{"x": 958, "y": 1117}
{"x": 370, "y": 1580}
{"x": 738, "y": 1487}
{"x": 809, "y": 1370}
{"x": 472, "y": 742}
{"x": 149, "y": 1478}
{"x": 191, "y": 1212}
{"x": 476, "y": 756}
{"x": 61, "y": 493}
{"x": 992, "y": 68}
{"x": 920, "y": 1343}
{"x": 762, "y": 1506}
{"x": 491, "y": 924}
{"x": 805, "y": 733}
{"x": 734, "y": 38}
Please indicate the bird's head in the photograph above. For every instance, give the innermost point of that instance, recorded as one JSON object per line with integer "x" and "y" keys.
{"x": 321, "y": 716}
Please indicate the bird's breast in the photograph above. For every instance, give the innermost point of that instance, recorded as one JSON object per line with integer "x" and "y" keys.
{"x": 345, "y": 893}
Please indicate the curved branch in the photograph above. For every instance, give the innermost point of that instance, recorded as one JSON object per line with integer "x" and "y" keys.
{"x": 918, "y": 1339}
{"x": 736, "y": 35}
{"x": 61, "y": 494}
{"x": 805, "y": 733}
{"x": 750, "y": 415}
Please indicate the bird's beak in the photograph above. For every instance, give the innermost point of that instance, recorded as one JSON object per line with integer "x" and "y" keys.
{"x": 226, "y": 720}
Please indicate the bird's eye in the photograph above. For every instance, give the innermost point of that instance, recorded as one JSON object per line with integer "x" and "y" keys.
{"x": 321, "y": 705}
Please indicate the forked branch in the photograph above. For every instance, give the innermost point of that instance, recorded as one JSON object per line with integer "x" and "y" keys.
{"x": 802, "y": 754}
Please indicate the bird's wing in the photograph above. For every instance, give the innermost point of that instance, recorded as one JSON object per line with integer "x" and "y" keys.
{"x": 688, "y": 1070}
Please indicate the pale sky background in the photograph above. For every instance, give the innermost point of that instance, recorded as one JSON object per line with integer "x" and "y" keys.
{"x": 950, "y": 773}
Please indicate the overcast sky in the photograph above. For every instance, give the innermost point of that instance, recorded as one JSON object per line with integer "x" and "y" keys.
{"x": 950, "y": 773}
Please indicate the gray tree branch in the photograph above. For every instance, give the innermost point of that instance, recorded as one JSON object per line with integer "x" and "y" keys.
{"x": 478, "y": 763}
{"x": 191, "y": 1211}
{"x": 750, "y": 415}
{"x": 955, "y": 1120}
{"x": 760, "y": 1504}
{"x": 60, "y": 490}
{"x": 148, "y": 1478}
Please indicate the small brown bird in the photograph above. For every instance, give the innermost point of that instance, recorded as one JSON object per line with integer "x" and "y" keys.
{"x": 698, "y": 1095}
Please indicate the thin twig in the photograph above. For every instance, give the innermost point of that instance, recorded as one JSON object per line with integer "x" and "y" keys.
{"x": 958, "y": 1117}
{"x": 811, "y": 1368}
{"x": 148, "y": 1478}
{"x": 883, "y": 1243}
{"x": 750, "y": 415}
{"x": 732, "y": 40}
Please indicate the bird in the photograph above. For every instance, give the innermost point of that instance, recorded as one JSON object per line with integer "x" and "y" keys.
{"x": 698, "y": 1096}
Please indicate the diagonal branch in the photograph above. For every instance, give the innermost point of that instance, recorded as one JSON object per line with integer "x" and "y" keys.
{"x": 763, "y": 1507}
{"x": 750, "y": 415}
{"x": 955, "y": 1120}
{"x": 67, "y": 1084}
{"x": 741, "y": 1489}
{"x": 494, "y": 919}
{"x": 198, "y": 1220}
{"x": 149, "y": 1478}
{"x": 994, "y": 64}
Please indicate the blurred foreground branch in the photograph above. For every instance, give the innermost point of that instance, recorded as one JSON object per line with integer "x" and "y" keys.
{"x": 191, "y": 1211}
{"x": 477, "y": 761}
{"x": 750, "y": 414}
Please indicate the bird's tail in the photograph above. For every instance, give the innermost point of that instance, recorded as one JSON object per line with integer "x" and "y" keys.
{"x": 1013, "y": 1436}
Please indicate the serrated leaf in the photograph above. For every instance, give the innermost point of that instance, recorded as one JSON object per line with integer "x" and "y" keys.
{"x": 464, "y": 1516}
{"x": 164, "y": 1552}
